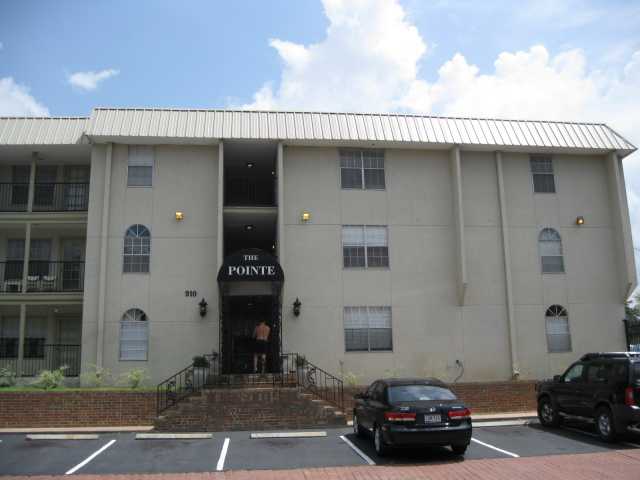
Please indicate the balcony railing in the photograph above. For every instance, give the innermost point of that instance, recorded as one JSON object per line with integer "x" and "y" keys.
{"x": 38, "y": 357}
{"x": 61, "y": 197}
{"x": 14, "y": 197}
{"x": 43, "y": 276}
{"x": 47, "y": 197}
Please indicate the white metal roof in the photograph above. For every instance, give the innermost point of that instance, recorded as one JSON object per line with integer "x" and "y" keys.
{"x": 42, "y": 130}
{"x": 136, "y": 124}
{"x": 351, "y": 127}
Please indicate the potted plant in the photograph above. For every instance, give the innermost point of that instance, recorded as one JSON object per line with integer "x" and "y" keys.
{"x": 200, "y": 370}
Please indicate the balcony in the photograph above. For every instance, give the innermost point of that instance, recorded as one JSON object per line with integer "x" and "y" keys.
{"x": 43, "y": 276}
{"x": 47, "y": 197}
{"x": 38, "y": 357}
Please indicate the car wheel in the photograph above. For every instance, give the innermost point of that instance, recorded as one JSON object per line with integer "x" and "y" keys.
{"x": 459, "y": 449}
{"x": 605, "y": 425}
{"x": 381, "y": 448}
{"x": 547, "y": 413}
{"x": 357, "y": 429}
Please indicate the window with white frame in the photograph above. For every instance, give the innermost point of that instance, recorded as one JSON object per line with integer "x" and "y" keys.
{"x": 140, "y": 171}
{"x": 362, "y": 169}
{"x": 137, "y": 249}
{"x": 542, "y": 173}
{"x": 365, "y": 246}
{"x": 557, "y": 327}
{"x": 134, "y": 335}
{"x": 551, "y": 251}
{"x": 367, "y": 329}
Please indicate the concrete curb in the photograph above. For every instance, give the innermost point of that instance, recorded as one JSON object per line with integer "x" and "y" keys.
{"x": 62, "y": 436}
{"x": 288, "y": 435}
{"x": 144, "y": 428}
{"x": 173, "y": 436}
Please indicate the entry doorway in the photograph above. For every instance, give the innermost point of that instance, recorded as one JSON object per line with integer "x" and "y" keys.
{"x": 242, "y": 314}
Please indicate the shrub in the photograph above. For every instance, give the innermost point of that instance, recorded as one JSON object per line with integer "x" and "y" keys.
{"x": 97, "y": 376}
{"x": 350, "y": 379}
{"x": 200, "y": 361}
{"x": 50, "y": 379}
{"x": 135, "y": 378}
{"x": 301, "y": 361}
{"x": 7, "y": 377}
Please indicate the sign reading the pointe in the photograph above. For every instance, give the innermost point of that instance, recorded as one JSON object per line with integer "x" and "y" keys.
{"x": 251, "y": 265}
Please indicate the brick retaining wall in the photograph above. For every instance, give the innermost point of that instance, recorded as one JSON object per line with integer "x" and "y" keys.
{"x": 76, "y": 409}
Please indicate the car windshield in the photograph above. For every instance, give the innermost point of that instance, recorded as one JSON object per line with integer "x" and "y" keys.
{"x": 414, "y": 393}
{"x": 636, "y": 371}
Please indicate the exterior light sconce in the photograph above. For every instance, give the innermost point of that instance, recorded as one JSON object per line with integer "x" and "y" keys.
{"x": 296, "y": 307}
{"x": 203, "y": 307}
{"x": 248, "y": 228}
{"x": 305, "y": 217}
{"x": 580, "y": 220}
{"x": 249, "y": 164}
{"x": 179, "y": 216}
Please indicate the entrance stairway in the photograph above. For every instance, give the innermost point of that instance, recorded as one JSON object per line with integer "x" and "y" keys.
{"x": 302, "y": 397}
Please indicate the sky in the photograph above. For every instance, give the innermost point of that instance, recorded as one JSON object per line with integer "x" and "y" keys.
{"x": 529, "y": 59}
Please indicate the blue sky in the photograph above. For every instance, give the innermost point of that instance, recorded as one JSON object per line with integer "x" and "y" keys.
{"x": 544, "y": 59}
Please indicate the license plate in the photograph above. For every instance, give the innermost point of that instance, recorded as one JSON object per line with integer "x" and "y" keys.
{"x": 432, "y": 419}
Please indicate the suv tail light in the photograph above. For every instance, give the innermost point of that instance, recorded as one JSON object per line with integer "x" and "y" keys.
{"x": 399, "y": 417}
{"x": 461, "y": 414}
{"x": 629, "y": 399}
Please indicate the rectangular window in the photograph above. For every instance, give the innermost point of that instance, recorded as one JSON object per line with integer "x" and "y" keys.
{"x": 35, "y": 337}
{"x": 542, "y": 173}
{"x": 367, "y": 329}
{"x": 362, "y": 169}
{"x": 365, "y": 246}
{"x": 140, "y": 167}
{"x": 134, "y": 340}
{"x": 9, "y": 334}
{"x": 20, "y": 187}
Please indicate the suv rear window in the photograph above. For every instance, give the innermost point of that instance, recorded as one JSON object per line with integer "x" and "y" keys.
{"x": 635, "y": 370}
{"x": 415, "y": 393}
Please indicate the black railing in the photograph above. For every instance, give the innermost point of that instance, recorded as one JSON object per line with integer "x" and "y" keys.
{"x": 294, "y": 371}
{"x": 14, "y": 197}
{"x": 11, "y": 276}
{"x": 43, "y": 276}
{"x": 61, "y": 197}
{"x": 632, "y": 332}
{"x": 38, "y": 357}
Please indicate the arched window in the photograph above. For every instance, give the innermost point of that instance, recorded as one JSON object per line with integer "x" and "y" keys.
{"x": 551, "y": 251}
{"x": 137, "y": 249}
{"x": 134, "y": 335}
{"x": 557, "y": 326}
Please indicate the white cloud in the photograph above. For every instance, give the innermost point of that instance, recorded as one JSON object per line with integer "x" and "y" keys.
{"x": 1, "y": 45}
{"x": 369, "y": 60}
{"x": 16, "y": 100}
{"x": 90, "y": 80}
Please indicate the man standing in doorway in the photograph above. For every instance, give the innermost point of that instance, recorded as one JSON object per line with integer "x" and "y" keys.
{"x": 261, "y": 336}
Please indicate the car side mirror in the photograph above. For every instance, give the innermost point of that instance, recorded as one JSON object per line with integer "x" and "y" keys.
{"x": 557, "y": 378}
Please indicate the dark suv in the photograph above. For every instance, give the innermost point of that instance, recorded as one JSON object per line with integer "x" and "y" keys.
{"x": 602, "y": 387}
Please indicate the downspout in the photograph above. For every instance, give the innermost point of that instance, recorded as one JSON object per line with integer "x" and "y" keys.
{"x": 104, "y": 246}
{"x": 513, "y": 339}
{"x": 220, "y": 245}
{"x": 458, "y": 215}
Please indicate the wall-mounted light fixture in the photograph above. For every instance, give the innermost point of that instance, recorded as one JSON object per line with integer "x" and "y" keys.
{"x": 179, "y": 216}
{"x": 305, "y": 217}
{"x": 296, "y": 307}
{"x": 203, "y": 307}
{"x": 580, "y": 220}
{"x": 248, "y": 228}
{"x": 249, "y": 164}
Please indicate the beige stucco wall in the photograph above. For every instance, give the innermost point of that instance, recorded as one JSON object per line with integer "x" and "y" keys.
{"x": 430, "y": 330}
{"x": 183, "y": 257}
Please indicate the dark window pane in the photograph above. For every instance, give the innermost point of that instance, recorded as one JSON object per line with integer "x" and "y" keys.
{"x": 380, "y": 339}
{"x": 140, "y": 176}
{"x": 553, "y": 264}
{"x": 8, "y": 348}
{"x": 374, "y": 178}
{"x": 353, "y": 257}
{"x": 412, "y": 393}
{"x": 543, "y": 183}
{"x": 356, "y": 339}
{"x": 351, "y": 177}
{"x": 378, "y": 256}
{"x": 34, "y": 347}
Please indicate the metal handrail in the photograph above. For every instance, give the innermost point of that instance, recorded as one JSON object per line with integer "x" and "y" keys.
{"x": 294, "y": 370}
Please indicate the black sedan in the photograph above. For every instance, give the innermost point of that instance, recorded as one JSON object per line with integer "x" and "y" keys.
{"x": 410, "y": 412}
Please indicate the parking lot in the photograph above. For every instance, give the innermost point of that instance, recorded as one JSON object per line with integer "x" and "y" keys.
{"x": 116, "y": 453}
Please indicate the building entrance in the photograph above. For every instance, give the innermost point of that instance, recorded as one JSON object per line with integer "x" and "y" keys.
{"x": 250, "y": 283}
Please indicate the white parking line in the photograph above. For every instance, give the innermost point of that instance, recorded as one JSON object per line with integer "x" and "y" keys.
{"x": 223, "y": 455}
{"x": 493, "y": 447}
{"x": 89, "y": 458}
{"x": 360, "y": 453}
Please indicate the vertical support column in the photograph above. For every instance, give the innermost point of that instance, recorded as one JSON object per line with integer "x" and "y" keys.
{"x": 220, "y": 242}
{"x": 104, "y": 246}
{"x": 506, "y": 251}
{"x": 622, "y": 226}
{"x": 27, "y": 256}
{"x": 458, "y": 214}
{"x": 280, "y": 174}
{"x": 32, "y": 182}
{"x": 21, "y": 333}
